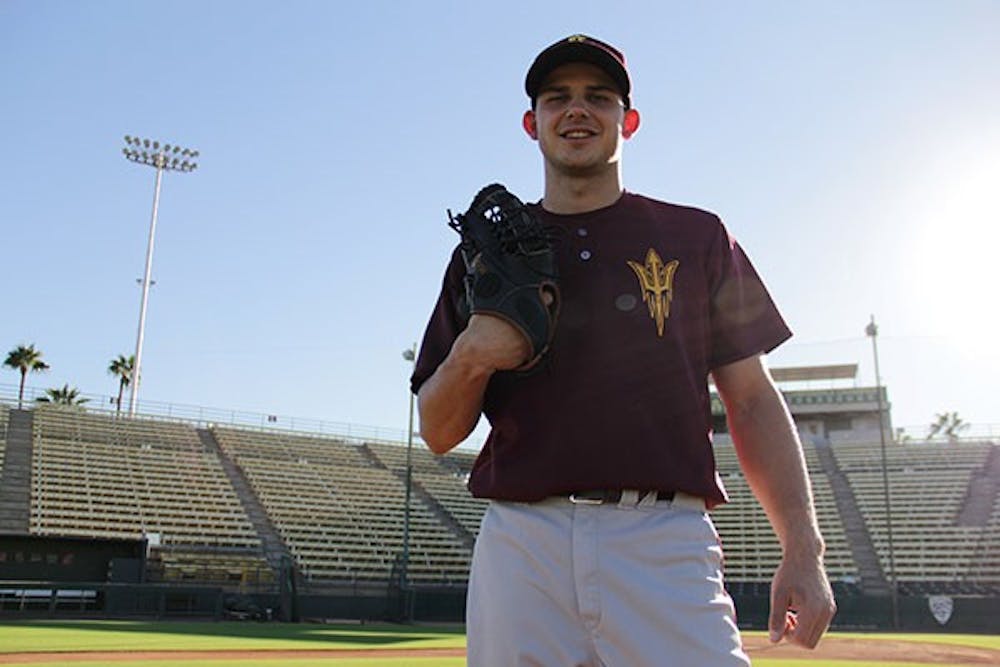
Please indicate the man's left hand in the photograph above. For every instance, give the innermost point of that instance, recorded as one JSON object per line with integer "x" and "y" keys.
{"x": 802, "y": 603}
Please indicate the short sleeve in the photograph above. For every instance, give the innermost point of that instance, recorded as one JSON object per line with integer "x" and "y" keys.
{"x": 445, "y": 324}
{"x": 744, "y": 320}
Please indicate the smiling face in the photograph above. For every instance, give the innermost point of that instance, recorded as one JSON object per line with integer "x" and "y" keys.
{"x": 579, "y": 121}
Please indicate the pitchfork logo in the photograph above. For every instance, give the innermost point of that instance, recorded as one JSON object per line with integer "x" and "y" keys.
{"x": 656, "y": 282}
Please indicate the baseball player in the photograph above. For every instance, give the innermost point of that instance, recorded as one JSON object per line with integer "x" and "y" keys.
{"x": 597, "y": 547}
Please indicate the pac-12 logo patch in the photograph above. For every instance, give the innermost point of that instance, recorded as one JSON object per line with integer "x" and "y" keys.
{"x": 941, "y": 607}
{"x": 656, "y": 281}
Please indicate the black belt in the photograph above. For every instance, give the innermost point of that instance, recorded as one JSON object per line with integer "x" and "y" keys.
{"x": 609, "y": 497}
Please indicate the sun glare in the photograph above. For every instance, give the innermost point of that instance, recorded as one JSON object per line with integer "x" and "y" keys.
{"x": 953, "y": 270}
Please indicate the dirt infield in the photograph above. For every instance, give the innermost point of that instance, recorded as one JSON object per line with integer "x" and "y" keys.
{"x": 831, "y": 648}
{"x": 847, "y": 648}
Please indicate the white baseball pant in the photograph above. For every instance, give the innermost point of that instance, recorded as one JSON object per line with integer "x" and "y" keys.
{"x": 633, "y": 584}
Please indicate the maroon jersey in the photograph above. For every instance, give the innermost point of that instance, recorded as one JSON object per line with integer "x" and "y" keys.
{"x": 654, "y": 296}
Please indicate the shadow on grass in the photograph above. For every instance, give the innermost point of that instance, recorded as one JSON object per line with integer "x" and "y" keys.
{"x": 310, "y": 635}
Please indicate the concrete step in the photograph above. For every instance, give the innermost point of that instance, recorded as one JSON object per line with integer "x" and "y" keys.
{"x": 15, "y": 477}
{"x": 873, "y": 578}
{"x": 273, "y": 547}
{"x": 977, "y": 507}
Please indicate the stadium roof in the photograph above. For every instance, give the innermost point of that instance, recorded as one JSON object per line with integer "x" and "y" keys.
{"x": 807, "y": 373}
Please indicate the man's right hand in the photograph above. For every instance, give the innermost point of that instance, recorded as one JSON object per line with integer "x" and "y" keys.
{"x": 451, "y": 399}
{"x": 492, "y": 344}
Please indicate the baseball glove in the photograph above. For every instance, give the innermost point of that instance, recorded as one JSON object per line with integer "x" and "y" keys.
{"x": 510, "y": 266}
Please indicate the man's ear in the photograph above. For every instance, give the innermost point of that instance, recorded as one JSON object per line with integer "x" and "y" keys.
{"x": 529, "y": 124}
{"x": 630, "y": 125}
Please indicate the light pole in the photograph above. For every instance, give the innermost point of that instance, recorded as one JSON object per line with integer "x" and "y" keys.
{"x": 411, "y": 356}
{"x": 872, "y": 332}
{"x": 164, "y": 158}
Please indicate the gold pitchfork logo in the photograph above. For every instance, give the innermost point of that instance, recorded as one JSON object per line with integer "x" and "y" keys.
{"x": 656, "y": 282}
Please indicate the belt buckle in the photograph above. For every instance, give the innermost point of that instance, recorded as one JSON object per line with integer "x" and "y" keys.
{"x": 580, "y": 499}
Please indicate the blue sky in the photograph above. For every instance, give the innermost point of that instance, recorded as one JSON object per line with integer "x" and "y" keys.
{"x": 852, "y": 147}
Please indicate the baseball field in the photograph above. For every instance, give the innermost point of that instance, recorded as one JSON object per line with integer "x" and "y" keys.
{"x": 176, "y": 644}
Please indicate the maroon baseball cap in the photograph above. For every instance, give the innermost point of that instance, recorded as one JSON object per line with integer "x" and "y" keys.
{"x": 575, "y": 49}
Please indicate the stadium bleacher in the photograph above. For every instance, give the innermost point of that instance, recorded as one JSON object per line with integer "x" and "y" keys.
{"x": 985, "y": 570}
{"x": 210, "y": 566}
{"x": 341, "y": 512}
{"x": 928, "y": 484}
{"x": 338, "y": 505}
{"x": 4, "y": 418}
{"x": 751, "y": 547}
{"x": 109, "y": 477}
{"x": 443, "y": 477}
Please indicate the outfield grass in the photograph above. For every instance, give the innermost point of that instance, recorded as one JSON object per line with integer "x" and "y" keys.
{"x": 307, "y": 662}
{"x": 177, "y": 636}
{"x": 57, "y": 635}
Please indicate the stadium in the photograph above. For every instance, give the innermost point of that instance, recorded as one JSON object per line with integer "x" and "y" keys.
{"x": 852, "y": 148}
{"x": 154, "y": 516}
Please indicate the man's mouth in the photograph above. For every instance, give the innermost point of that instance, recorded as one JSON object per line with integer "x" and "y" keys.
{"x": 577, "y": 134}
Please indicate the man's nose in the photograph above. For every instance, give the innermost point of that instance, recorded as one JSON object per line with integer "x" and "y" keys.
{"x": 577, "y": 107}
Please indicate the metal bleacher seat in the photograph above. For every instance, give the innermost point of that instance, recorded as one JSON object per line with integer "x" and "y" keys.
{"x": 444, "y": 477}
{"x": 233, "y": 567}
{"x": 110, "y": 476}
{"x": 4, "y": 420}
{"x": 928, "y": 483}
{"x": 752, "y": 549}
{"x": 340, "y": 512}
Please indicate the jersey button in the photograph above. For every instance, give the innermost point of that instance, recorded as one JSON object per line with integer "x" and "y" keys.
{"x": 585, "y": 255}
{"x": 582, "y": 231}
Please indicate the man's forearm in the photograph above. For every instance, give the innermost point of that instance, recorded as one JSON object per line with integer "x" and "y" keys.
{"x": 450, "y": 402}
{"x": 770, "y": 454}
{"x": 771, "y": 457}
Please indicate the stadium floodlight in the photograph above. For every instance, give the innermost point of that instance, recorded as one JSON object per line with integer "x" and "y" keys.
{"x": 410, "y": 355}
{"x": 871, "y": 330}
{"x": 137, "y": 151}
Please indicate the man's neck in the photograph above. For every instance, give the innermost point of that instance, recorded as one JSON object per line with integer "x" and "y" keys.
{"x": 568, "y": 194}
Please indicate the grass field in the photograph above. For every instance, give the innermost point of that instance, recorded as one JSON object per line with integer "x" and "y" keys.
{"x": 182, "y": 636}
{"x": 129, "y": 636}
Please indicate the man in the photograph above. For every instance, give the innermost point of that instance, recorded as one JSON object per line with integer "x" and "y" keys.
{"x": 597, "y": 548}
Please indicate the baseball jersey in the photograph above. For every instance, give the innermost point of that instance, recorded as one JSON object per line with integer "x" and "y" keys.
{"x": 653, "y": 297}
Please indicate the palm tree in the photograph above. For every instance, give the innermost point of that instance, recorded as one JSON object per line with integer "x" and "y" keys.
{"x": 65, "y": 395}
{"x": 122, "y": 369}
{"x": 24, "y": 359}
{"x": 948, "y": 424}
